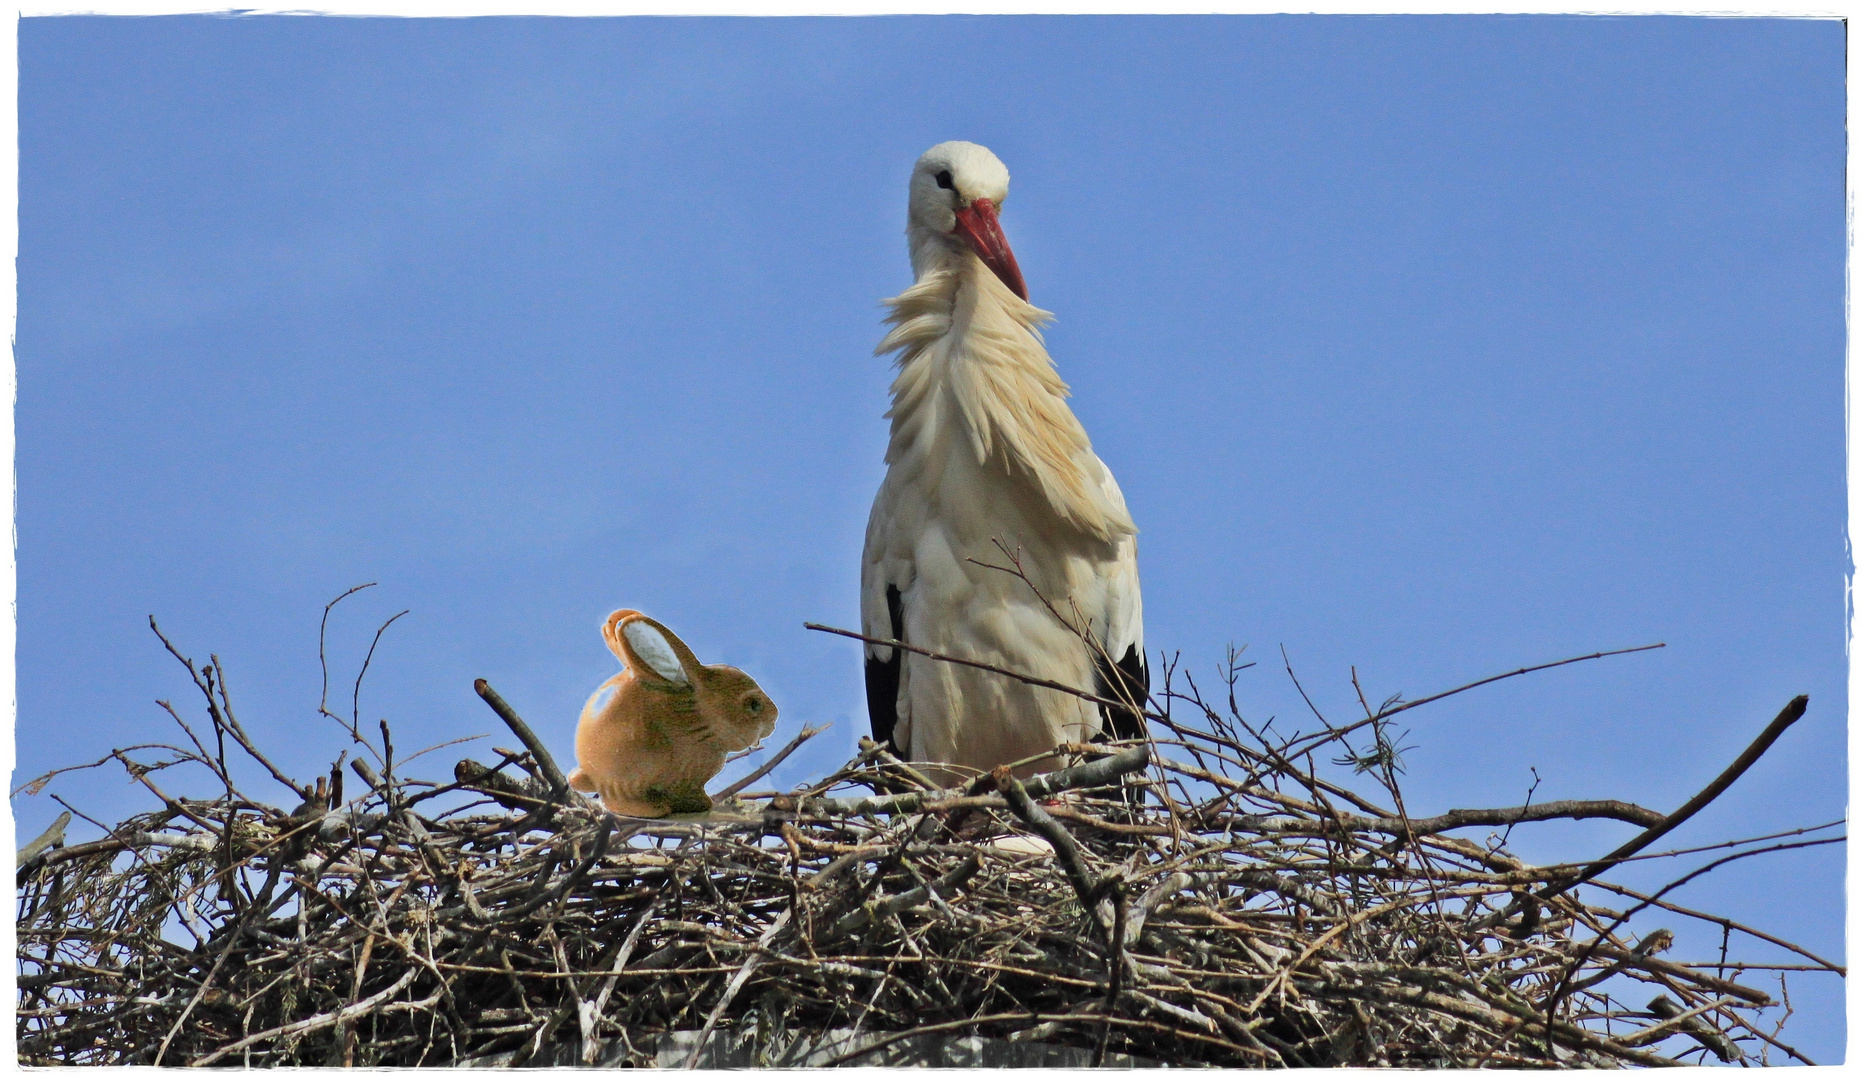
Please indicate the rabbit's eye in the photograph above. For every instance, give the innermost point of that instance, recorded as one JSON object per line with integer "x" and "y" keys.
{"x": 753, "y": 705}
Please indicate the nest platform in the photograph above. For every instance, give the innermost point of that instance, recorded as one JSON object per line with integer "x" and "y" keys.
{"x": 1195, "y": 900}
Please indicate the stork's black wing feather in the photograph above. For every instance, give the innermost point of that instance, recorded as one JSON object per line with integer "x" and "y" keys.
{"x": 883, "y": 677}
{"x": 1128, "y": 680}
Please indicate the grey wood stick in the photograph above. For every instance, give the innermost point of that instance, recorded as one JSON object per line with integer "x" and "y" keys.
{"x": 559, "y": 784}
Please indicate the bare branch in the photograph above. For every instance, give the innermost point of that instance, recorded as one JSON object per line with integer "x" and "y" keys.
{"x": 763, "y": 770}
{"x": 559, "y": 785}
{"x": 1786, "y": 718}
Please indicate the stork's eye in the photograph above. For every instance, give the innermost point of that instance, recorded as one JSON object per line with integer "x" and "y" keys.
{"x": 944, "y": 179}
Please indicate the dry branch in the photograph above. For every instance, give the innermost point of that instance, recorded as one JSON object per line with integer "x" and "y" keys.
{"x": 559, "y": 784}
{"x": 764, "y": 770}
{"x": 1786, "y": 718}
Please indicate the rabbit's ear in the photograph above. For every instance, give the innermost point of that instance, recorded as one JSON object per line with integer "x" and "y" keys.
{"x": 611, "y": 632}
{"x": 682, "y": 654}
{"x": 649, "y": 652}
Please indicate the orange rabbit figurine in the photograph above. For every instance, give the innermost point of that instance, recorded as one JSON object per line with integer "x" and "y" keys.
{"x": 654, "y": 734}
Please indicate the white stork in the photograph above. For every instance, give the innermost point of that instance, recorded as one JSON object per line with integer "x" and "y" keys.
{"x": 984, "y": 448}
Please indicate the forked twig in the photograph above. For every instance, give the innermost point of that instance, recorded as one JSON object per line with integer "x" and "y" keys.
{"x": 353, "y": 726}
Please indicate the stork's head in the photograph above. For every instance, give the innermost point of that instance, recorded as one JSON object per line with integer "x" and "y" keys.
{"x": 956, "y": 190}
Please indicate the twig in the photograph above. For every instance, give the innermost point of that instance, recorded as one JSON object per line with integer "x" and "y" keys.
{"x": 737, "y": 983}
{"x": 1032, "y": 680}
{"x": 1099, "y": 773}
{"x": 930, "y": 892}
{"x": 233, "y": 726}
{"x": 51, "y": 837}
{"x": 323, "y": 702}
{"x": 1786, "y": 718}
{"x": 1719, "y": 920}
{"x": 355, "y": 703}
{"x": 1385, "y": 714}
{"x": 1576, "y": 809}
{"x": 887, "y": 757}
{"x": 764, "y": 769}
{"x": 314, "y": 1023}
{"x": 559, "y": 785}
{"x": 1058, "y": 837}
{"x": 1563, "y": 986}
{"x": 1674, "y": 1018}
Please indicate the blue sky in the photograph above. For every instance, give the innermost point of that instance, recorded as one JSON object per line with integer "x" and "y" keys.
{"x": 1437, "y": 346}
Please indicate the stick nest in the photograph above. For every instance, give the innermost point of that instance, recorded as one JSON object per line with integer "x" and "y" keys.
{"x": 1197, "y": 900}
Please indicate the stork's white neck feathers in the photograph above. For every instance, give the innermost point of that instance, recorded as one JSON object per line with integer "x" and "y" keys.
{"x": 964, "y": 338}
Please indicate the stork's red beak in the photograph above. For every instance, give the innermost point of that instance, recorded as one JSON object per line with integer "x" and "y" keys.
{"x": 977, "y": 223}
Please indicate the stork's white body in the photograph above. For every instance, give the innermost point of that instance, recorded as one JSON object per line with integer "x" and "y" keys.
{"x": 984, "y": 449}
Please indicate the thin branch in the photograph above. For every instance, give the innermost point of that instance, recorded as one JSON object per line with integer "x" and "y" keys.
{"x": 315, "y": 1023}
{"x": 764, "y": 769}
{"x": 1562, "y": 988}
{"x": 323, "y": 702}
{"x": 1385, "y": 714}
{"x": 1720, "y": 920}
{"x": 238, "y": 732}
{"x": 1101, "y": 773}
{"x": 53, "y": 836}
{"x": 1065, "y": 849}
{"x": 1786, "y": 718}
{"x": 1032, "y": 680}
{"x": 355, "y": 710}
{"x": 559, "y": 785}
{"x": 1575, "y": 809}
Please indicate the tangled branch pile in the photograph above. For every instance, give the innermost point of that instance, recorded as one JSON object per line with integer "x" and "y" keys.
{"x": 1203, "y": 899}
